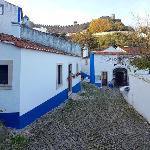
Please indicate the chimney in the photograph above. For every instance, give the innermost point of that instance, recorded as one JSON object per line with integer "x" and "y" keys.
{"x": 85, "y": 51}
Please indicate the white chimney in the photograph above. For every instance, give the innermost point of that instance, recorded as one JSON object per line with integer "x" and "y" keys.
{"x": 85, "y": 51}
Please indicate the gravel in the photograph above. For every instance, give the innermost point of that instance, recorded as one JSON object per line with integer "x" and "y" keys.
{"x": 95, "y": 119}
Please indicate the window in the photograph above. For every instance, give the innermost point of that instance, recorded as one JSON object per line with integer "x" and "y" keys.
{"x": 3, "y": 74}
{"x": 6, "y": 71}
{"x": 1, "y": 9}
{"x": 77, "y": 68}
{"x": 59, "y": 75}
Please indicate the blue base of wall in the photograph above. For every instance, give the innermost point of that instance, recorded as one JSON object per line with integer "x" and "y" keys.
{"x": 15, "y": 121}
{"x": 98, "y": 84}
{"x": 10, "y": 119}
{"x": 84, "y": 75}
{"x": 76, "y": 88}
{"x": 47, "y": 106}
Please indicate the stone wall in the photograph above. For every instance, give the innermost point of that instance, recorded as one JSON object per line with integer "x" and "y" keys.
{"x": 50, "y": 40}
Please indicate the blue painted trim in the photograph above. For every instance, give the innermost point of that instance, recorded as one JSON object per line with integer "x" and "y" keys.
{"x": 92, "y": 68}
{"x": 19, "y": 14}
{"x": 98, "y": 84}
{"x": 15, "y": 121}
{"x": 40, "y": 110}
{"x": 110, "y": 85}
{"x": 84, "y": 75}
{"x": 76, "y": 88}
{"x": 10, "y": 119}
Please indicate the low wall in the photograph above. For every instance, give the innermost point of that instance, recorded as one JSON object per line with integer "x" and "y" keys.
{"x": 50, "y": 40}
{"x": 139, "y": 94}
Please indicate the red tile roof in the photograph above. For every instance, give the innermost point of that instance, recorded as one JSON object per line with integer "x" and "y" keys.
{"x": 21, "y": 43}
{"x": 110, "y": 53}
{"x": 132, "y": 50}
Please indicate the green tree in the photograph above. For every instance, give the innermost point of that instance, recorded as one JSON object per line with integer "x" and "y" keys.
{"x": 85, "y": 38}
{"x": 120, "y": 39}
{"x": 119, "y": 26}
{"x": 141, "y": 39}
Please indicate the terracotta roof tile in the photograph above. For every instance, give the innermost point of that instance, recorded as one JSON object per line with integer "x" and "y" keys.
{"x": 21, "y": 43}
{"x": 110, "y": 53}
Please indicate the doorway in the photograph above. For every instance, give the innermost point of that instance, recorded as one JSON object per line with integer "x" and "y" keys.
{"x": 69, "y": 78}
{"x": 104, "y": 78}
{"x": 120, "y": 77}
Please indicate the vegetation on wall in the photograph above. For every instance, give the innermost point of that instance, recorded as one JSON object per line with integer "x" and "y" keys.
{"x": 85, "y": 38}
{"x": 120, "y": 39}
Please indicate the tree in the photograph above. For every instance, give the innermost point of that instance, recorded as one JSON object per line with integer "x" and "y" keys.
{"x": 141, "y": 39}
{"x": 119, "y": 26}
{"x": 85, "y": 38}
{"x": 105, "y": 25}
{"x": 118, "y": 38}
{"x": 100, "y": 25}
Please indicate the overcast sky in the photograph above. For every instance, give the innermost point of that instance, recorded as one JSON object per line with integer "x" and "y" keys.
{"x": 64, "y": 12}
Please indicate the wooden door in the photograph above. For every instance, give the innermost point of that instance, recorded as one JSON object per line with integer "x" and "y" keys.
{"x": 104, "y": 78}
{"x": 70, "y": 78}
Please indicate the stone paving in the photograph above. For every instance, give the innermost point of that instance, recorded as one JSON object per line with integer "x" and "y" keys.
{"x": 96, "y": 119}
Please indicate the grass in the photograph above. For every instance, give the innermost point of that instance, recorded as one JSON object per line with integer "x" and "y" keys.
{"x": 18, "y": 142}
{"x": 9, "y": 141}
{"x": 1, "y": 125}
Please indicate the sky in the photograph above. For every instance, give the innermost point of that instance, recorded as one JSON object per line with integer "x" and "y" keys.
{"x": 65, "y": 12}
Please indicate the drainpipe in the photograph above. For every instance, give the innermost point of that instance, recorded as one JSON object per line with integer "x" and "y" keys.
{"x": 92, "y": 68}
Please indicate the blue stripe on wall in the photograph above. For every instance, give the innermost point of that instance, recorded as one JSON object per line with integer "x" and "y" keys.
{"x": 13, "y": 120}
{"x": 76, "y": 88}
{"x": 98, "y": 84}
{"x": 47, "y": 106}
{"x": 84, "y": 75}
{"x": 19, "y": 14}
{"x": 10, "y": 119}
{"x": 92, "y": 69}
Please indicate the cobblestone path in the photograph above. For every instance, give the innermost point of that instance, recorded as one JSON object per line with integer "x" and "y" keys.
{"x": 99, "y": 119}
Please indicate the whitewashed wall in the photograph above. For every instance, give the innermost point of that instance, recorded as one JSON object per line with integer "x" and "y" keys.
{"x": 105, "y": 63}
{"x": 38, "y": 77}
{"x": 10, "y": 15}
{"x": 139, "y": 94}
{"x": 85, "y": 66}
{"x": 50, "y": 40}
{"x": 9, "y": 99}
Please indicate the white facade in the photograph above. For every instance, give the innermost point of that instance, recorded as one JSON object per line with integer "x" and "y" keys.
{"x": 34, "y": 89}
{"x": 138, "y": 95}
{"x": 105, "y": 62}
{"x": 10, "y": 18}
{"x": 85, "y": 65}
{"x": 38, "y": 77}
{"x": 34, "y": 77}
{"x": 10, "y": 99}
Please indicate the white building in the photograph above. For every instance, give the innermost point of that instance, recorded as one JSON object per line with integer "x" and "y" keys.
{"x": 10, "y": 18}
{"x": 108, "y": 67}
{"x": 37, "y": 72}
